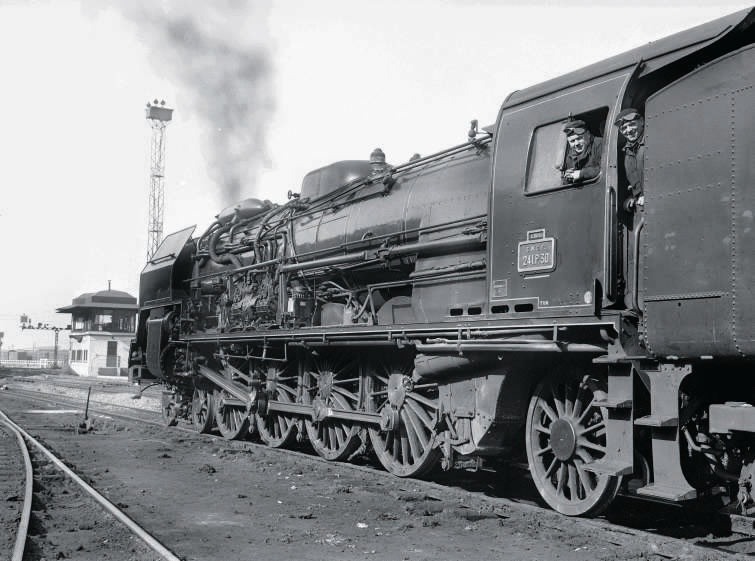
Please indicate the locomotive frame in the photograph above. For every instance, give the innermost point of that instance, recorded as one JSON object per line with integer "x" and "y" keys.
{"x": 469, "y": 307}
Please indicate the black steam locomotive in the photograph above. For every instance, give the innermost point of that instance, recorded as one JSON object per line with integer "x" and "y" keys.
{"x": 471, "y": 307}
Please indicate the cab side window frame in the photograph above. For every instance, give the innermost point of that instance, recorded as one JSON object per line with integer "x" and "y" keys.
{"x": 544, "y": 170}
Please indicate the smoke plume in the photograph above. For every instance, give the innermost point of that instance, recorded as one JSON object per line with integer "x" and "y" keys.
{"x": 226, "y": 77}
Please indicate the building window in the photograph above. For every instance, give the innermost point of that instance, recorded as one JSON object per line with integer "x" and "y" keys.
{"x": 104, "y": 321}
{"x": 85, "y": 356}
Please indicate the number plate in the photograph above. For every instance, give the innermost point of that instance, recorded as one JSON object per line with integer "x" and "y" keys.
{"x": 537, "y": 255}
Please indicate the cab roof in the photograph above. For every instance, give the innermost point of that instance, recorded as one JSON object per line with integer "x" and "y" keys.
{"x": 655, "y": 55}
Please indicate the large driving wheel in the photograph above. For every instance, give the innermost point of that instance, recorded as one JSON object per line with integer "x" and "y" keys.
{"x": 332, "y": 383}
{"x": 232, "y": 419}
{"x": 565, "y": 431}
{"x": 405, "y": 443}
{"x": 276, "y": 429}
{"x": 202, "y": 410}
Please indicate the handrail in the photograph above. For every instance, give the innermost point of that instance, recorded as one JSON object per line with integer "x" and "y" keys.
{"x": 636, "y": 290}
{"x": 609, "y": 256}
{"x": 161, "y": 259}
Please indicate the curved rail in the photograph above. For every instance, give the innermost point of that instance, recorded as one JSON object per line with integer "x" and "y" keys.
{"x": 145, "y": 536}
{"x": 23, "y": 525}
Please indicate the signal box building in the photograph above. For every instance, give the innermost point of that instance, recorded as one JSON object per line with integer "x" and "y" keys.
{"x": 102, "y": 326}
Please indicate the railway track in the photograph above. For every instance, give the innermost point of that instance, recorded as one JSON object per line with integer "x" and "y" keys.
{"x": 102, "y": 407}
{"x": 16, "y": 484}
{"x": 28, "y": 470}
{"x": 673, "y": 527}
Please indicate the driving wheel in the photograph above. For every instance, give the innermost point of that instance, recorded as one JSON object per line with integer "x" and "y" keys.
{"x": 202, "y": 410}
{"x": 331, "y": 383}
{"x": 565, "y": 432}
{"x": 405, "y": 442}
{"x": 232, "y": 418}
{"x": 277, "y": 429}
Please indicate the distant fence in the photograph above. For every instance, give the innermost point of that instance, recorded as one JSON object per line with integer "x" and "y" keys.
{"x": 41, "y": 363}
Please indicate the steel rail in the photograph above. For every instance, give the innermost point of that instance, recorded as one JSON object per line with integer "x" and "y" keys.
{"x": 145, "y": 536}
{"x": 23, "y": 525}
{"x": 70, "y": 400}
{"x": 666, "y": 545}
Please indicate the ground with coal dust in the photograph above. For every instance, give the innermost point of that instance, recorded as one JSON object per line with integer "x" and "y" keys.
{"x": 206, "y": 499}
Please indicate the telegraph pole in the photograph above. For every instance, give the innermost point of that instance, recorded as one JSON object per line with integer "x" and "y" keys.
{"x": 158, "y": 116}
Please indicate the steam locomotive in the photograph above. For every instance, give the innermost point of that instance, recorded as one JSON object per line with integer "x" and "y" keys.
{"x": 469, "y": 307}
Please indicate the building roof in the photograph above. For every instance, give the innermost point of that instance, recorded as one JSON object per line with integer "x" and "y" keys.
{"x": 104, "y": 299}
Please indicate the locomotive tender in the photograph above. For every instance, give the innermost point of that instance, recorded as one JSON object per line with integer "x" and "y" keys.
{"x": 470, "y": 307}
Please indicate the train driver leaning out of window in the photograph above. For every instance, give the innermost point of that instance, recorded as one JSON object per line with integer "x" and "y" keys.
{"x": 582, "y": 161}
{"x": 632, "y": 127}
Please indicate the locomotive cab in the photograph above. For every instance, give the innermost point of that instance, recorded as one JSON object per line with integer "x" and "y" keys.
{"x": 549, "y": 255}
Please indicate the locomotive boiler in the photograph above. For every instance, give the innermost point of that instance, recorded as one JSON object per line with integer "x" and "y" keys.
{"x": 470, "y": 307}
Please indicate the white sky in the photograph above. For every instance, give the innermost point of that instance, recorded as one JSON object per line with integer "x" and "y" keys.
{"x": 349, "y": 75}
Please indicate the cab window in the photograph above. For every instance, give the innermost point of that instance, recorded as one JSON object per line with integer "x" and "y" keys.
{"x": 547, "y": 157}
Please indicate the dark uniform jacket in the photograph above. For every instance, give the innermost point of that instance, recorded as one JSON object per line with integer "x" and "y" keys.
{"x": 634, "y": 158}
{"x": 588, "y": 162}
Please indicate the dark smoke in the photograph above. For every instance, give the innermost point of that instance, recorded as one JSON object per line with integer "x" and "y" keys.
{"x": 226, "y": 78}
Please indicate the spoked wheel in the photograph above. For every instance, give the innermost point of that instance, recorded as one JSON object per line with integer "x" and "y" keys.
{"x": 565, "y": 431}
{"x": 331, "y": 383}
{"x": 232, "y": 419}
{"x": 276, "y": 429}
{"x": 405, "y": 442}
{"x": 202, "y": 410}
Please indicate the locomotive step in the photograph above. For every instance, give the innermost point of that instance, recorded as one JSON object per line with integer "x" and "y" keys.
{"x": 609, "y": 468}
{"x": 610, "y": 403}
{"x": 732, "y": 416}
{"x": 657, "y": 421}
{"x": 742, "y": 524}
{"x": 667, "y": 492}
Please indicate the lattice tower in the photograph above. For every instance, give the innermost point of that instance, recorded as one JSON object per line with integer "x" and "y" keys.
{"x": 158, "y": 116}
